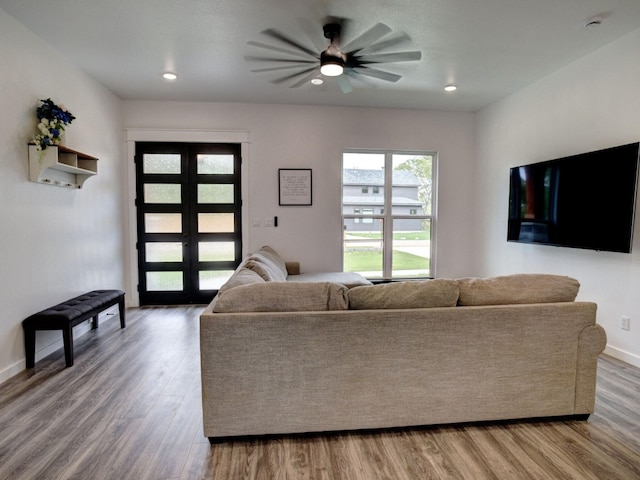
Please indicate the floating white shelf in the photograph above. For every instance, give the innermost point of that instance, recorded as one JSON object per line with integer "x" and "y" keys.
{"x": 61, "y": 166}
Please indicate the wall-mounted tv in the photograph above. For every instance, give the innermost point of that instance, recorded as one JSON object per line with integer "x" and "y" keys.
{"x": 582, "y": 201}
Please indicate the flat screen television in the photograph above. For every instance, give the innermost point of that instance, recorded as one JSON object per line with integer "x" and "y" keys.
{"x": 582, "y": 201}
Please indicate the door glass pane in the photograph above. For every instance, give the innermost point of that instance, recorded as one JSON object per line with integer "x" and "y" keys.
{"x": 216, "y": 251}
{"x": 161, "y": 163}
{"x": 164, "y": 281}
{"x": 209, "y": 164}
{"x": 362, "y": 240}
{"x": 215, "y": 222}
{"x": 411, "y": 248}
{"x": 213, "y": 279}
{"x": 412, "y": 184}
{"x": 163, "y": 251}
{"x": 163, "y": 223}
{"x": 162, "y": 193}
{"x": 215, "y": 193}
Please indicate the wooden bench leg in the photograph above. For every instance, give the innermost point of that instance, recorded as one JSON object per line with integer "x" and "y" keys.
{"x": 30, "y": 347}
{"x": 67, "y": 337}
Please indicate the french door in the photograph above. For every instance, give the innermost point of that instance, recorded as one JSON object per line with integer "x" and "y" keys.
{"x": 189, "y": 226}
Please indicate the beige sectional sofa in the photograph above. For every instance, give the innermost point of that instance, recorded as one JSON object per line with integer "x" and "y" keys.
{"x": 282, "y": 356}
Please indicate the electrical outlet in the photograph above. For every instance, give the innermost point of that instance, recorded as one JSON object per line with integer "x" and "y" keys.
{"x": 625, "y": 322}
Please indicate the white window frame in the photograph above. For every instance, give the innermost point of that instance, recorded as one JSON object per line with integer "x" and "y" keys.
{"x": 388, "y": 217}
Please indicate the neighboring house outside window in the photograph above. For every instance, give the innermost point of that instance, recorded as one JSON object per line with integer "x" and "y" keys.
{"x": 398, "y": 243}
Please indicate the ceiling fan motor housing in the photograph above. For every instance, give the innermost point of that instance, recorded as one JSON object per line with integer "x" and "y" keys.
{"x": 331, "y": 30}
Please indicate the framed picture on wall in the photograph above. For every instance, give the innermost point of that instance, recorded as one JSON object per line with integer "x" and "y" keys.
{"x": 294, "y": 185}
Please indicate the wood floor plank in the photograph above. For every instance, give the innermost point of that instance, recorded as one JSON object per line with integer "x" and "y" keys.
{"x": 130, "y": 409}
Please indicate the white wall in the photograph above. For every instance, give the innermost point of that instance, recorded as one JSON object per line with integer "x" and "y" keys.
{"x": 313, "y": 137}
{"x": 590, "y": 104}
{"x": 55, "y": 243}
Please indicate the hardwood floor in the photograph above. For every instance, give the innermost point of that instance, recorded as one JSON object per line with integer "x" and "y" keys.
{"x": 130, "y": 409}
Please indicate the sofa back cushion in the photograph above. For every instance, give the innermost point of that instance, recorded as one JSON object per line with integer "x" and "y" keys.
{"x": 412, "y": 294}
{"x": 282, "y": 297}
{"x": 519, "y": 288}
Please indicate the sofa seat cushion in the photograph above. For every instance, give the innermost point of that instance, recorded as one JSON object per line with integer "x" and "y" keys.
{"x": 348, "y": 279}
{"x": 410, "y": 294}
{"x": 282, "y": 297}
{"x": 517, "y": 289}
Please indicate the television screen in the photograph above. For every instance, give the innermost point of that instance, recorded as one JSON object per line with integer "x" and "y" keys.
{"x": 582, "y": 201}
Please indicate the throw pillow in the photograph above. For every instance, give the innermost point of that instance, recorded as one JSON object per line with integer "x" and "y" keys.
{"x": 519, "y": 288}
{"x": 282, "y": 297}
{"x": 271, "y": 255}
{"x": 264, "y": 268}
{"x": 243, "y": 276}
{"x": 418, "y": 294}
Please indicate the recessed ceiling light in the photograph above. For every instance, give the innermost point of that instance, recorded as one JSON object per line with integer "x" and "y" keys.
{"x": 450, "y": 88}
{"x": 169, "y": 76}
{"x": 317, "y": 81}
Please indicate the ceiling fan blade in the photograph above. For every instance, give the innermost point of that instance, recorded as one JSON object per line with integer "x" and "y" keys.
{"x": 277, "y": 69}
{"x": 307, "y": 78}
{"x": 279, "y": 60}
{"x": 392, "y": 42}
{"x": 294, "y": 76}
{"x": 283, "y": 38}
{"x": 278, "y": 49}
{"x": 379, "y": 74}
{"x": 344, "y": 84}
{"x": 391, "y": 57}
{"x": 375, "y": 33}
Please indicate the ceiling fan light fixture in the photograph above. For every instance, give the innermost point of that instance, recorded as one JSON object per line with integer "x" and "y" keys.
{"x": 330, "y": 65}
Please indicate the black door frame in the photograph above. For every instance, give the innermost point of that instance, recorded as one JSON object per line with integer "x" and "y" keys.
{"x": 189, "y": 208}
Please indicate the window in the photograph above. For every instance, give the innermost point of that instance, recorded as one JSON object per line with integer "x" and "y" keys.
{"x": 365, "y": 189}
{"x": 397, "y": 243}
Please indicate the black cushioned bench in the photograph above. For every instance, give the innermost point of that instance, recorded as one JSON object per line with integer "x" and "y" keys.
{"x": 67, "y": 315}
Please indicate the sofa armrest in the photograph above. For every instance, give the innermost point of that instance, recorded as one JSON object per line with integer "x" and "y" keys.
{"x": 293, "y": 268}
{"x": 591, "y": 344}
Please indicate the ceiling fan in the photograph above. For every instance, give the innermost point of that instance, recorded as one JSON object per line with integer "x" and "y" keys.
{"x": 342, "y": 59}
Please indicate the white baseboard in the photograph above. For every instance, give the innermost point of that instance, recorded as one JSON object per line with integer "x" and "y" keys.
{"x": 11, "y": 370}
{"x": 630, "y": 358}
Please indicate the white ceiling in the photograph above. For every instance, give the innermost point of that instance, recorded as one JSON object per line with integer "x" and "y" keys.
{"x": 489, "y": 48}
